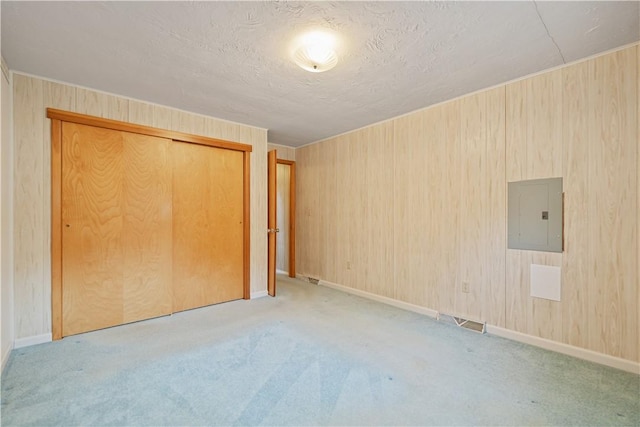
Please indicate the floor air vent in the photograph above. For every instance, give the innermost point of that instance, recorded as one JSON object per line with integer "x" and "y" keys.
{"x": 313, "y": 280}
{"x": 465, "y": 323}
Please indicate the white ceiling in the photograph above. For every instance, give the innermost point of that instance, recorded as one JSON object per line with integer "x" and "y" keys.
{"x": 230, "y": 59}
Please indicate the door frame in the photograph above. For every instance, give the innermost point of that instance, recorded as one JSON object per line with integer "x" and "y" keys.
{"x": 272, "y": 222}
{"x": 57, "y": 118}
{"x": 272, "y": 214}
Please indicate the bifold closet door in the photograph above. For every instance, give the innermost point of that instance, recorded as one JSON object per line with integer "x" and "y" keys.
{"x": 207, "y": 225}
{"x": 116, "y": 228}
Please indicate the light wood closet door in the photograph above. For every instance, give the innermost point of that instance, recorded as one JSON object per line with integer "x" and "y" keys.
{"x": 207, "y": 225}
{"x": 116, "y": 228}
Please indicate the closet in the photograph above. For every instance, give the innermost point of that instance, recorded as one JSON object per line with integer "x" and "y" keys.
{"x": 207, "y": 225}
{"x": 145, "y": 222}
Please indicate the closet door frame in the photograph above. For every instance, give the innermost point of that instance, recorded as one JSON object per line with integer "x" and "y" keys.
{"x": 57, "y": 118}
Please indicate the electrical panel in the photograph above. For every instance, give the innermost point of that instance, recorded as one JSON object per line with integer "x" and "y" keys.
{"x": 535, "y": 215}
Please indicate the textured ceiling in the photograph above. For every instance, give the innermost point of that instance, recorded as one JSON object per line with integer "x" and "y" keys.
{"x": 231, "y": 60}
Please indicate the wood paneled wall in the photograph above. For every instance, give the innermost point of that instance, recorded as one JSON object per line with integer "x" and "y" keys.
{"x": 638, "y": 196}
{"x": 6, "y": 217}
{"x": 32, "y": 199}
{"x": 284, "y": 152}
{"x": 415, "y": 208}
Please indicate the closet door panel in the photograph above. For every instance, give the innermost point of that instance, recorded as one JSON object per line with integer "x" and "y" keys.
{"x": 116, "y": 228}
{"x": 207, "y": 225}
{"x": 92, "y": 223}
{"x": 146, "y": 228}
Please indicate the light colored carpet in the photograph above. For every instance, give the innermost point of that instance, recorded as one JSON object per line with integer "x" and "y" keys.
{"x": 311, "y": 356}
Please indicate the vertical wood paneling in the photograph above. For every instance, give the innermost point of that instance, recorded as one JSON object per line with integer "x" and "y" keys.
{"x": 473, "y": 208}
{"x": 220, "y": 129}
{"x": 29, "y": 222}
{"x": 327, "y": 197}
{"x": 303, "y": 205}
{"x": 576, "y": 265}
{"x": 451, "y": 165}
{"x": 359, "y": 219}
{"x": 6, "y": 212}
{"x": 411, "y": 188}
{"x": 515, "y": 132}
{"x": 284, "y": 153}
{"x": 314, "y": 215}
{"x": 362, "y": 235}
{"x": 141, "y": 113}
{"x": 428, "y": 242}
{"x": 613, "y": 227}
{"x": 258, "y": 138}
{"x": 448, "y": 204}
{"x": 288, "y": 153}
{"x": 494, "y": 310}
{"x": 162, "y": 117}
{"x": 101, "y": 105}
{"x": 543, "y": 100}
{"x": 378, "y": 238}
{"x": 349, "y": 201}
{"x": 182, "y": 121}
{"x": 307, "y": 225}
{"x": 57, "y": 95}
{"x": 343, "y": 263}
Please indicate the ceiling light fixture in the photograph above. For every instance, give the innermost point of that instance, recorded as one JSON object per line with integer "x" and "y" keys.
{"x": 315, "y": 51}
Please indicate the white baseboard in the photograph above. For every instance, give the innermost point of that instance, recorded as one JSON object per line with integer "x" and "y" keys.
{"x": 278, "y": 271}
{"x": 558, "y": 347}
{"x": 259, "y": 294}
{"x": 5, "y": 358}
{"x": 32, "y": 340}
{"x": 385, "y": 300}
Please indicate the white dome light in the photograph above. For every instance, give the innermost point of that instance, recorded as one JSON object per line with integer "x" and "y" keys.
{"x": 315, "y": 51}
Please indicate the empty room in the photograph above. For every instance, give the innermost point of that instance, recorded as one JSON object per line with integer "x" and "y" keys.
{"x": 320, "y": 213}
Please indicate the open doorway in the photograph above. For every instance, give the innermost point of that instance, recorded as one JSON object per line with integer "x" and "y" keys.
{"x": 285, "y": 217}
{"x": 280, "y": 219}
